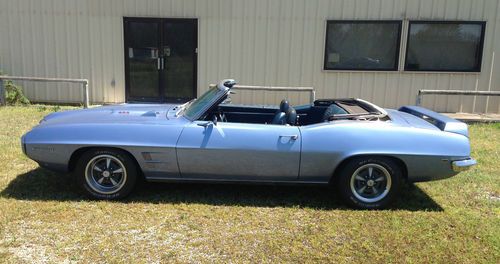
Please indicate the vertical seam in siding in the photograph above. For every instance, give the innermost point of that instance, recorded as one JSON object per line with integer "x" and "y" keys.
{"x": 254, "y": 41}
{"x": 55, "y": 48}
{"x": 67, "y": 39}
{"x": 90, "y": 38}
{"x": 491, "y": 65}
{"x": 21, "y": 44}
{"x": 268, "y": 17}
{"x": 33, "y": 50}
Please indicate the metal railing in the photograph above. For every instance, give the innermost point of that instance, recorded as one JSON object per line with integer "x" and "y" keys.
{"x": 454, "y": 92}
{"x": 84, "y": 82}
{"x": 312, "y": 92}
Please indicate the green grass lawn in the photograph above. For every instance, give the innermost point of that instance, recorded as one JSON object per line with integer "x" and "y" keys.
{"x": 43, "y": 218}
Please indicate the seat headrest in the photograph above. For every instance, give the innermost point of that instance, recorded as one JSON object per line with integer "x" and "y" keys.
{"x": 284, "y": 105}
{"x": 291, "y": 116}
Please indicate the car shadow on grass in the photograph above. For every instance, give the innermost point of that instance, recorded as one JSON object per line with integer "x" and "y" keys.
{"x": 44, "y": 185}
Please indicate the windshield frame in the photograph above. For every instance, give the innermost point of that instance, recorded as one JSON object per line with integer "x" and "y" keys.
{"x": 221, "y": 92}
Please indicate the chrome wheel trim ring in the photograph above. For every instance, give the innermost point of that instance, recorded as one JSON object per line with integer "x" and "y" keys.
{"x": 371, "y": 182}
{"x": 99, "y": 187}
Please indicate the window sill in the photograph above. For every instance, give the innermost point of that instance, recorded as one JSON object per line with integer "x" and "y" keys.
{"x": 386, "y": 71}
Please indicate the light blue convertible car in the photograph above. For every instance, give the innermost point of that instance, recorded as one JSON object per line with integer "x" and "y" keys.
{"x": 362, "y": 150}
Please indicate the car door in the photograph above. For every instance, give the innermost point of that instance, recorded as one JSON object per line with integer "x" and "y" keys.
{"x": 239, "y": 151}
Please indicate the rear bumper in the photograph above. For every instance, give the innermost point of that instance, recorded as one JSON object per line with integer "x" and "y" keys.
{"x": 463, "y": 165}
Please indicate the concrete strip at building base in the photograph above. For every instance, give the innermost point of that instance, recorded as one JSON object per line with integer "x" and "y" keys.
{"x": 475, "y": 118}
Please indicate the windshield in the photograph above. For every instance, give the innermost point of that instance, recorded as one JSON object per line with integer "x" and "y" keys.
{"x": 202, "y": 102}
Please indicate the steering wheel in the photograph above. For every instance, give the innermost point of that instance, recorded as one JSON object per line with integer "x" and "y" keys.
{"x": 220, "y": 115}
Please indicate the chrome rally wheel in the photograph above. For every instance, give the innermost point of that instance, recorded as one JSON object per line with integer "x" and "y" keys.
{"x": 105, "y": 174}
{"x": 369, "y": 182}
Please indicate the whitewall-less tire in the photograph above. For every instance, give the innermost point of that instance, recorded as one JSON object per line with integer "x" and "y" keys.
{"x": 106, "y": 174}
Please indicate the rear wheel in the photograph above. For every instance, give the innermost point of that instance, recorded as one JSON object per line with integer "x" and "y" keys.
{"x": 106, "y": 174}
{"x": 369, "y": 182}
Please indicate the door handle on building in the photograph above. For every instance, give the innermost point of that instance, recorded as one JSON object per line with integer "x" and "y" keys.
{"x": 160, "y": 63}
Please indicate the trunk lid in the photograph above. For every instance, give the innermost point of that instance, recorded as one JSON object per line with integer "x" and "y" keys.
{"x": 424, "y": 118}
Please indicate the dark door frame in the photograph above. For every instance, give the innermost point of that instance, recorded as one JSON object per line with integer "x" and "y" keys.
{"x": 161, "y": 86}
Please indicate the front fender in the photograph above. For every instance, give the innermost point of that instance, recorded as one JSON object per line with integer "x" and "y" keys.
{"x": 152, "y": 145}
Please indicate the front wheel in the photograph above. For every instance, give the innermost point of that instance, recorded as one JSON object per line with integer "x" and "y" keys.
{"x": 106, "y": 174}
{"x": 369, "y": 182}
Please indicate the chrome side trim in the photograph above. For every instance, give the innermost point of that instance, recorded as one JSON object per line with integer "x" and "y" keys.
{"x": 232, "y": 181}
{"x": 463, "y": 165}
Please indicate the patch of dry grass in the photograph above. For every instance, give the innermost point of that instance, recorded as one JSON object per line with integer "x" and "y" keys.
{"x": 44, "y": 219}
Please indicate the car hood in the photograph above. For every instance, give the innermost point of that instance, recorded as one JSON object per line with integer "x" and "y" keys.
{"x": 121, "y": 113}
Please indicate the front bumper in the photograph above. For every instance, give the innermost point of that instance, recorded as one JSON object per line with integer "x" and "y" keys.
{"x": 463, "y": 165}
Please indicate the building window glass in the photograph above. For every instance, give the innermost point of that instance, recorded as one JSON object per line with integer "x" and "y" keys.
{"x": 444, "y": 46}
{"x": 362, "y": 45}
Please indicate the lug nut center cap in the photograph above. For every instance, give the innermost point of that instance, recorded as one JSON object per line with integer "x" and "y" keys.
{"x": 370, "y": 183}
{"x": 105, "y": 174}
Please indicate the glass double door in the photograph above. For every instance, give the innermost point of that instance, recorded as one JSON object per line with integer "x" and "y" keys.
{"x": 160, "y": 59}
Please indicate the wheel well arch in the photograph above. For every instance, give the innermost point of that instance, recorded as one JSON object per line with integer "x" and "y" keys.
{"x": 79, "y": 152}
{"x": 400, "y": 162}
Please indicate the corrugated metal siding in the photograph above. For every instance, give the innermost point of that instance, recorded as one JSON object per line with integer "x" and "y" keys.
{"x": 257, "y": 42}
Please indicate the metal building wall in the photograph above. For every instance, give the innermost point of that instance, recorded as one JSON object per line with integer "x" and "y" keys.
{"x": 257, "y": 42}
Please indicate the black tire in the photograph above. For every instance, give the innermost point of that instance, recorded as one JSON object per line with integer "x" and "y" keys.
{"x": 97, "y": 186}
{"x": 371, "y": 192}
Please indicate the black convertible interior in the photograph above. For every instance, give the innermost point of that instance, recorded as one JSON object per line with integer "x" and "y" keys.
{"x": 320, "y": 111}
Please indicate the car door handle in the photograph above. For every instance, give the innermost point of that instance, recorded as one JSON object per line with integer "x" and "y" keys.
{"x": 292, "y": 137}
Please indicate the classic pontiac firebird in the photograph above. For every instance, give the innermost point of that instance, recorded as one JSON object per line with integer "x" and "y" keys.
{"x": 362, "y": 150}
